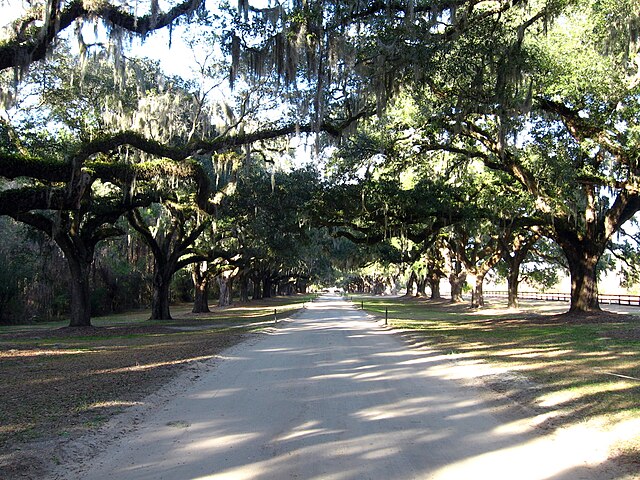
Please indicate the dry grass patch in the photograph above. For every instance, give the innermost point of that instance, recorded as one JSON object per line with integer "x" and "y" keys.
{"x": 58, "y": 383}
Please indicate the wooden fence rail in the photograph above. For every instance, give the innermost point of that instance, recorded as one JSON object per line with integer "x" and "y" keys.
{"x": 631, "y": 300}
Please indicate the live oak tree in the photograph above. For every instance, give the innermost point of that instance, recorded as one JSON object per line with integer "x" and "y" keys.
{"x": 170, "y": 237}
{"x": 76, "y": 190}
{"x": 33, "y": 34}
{"x": 579, "y": 163}
{"x": 552, "y": 107}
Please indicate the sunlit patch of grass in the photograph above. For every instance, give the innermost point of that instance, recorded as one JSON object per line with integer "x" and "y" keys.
{"x": 581, "y": 371}
{"x": 14, "y": 353}
{"x": 150, "y": 366}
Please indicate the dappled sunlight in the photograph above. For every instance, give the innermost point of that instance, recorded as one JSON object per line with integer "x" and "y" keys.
{"x": 221, "y": 441}
{"x": 110, "y": 404}
{"x": 222, "y": 392}
{"x": 569, "y": 449}
{"x": 331, "y": 395}
{"x": 148, "y": 366}
{"x": 41, "y": 352}
{"x": 305, "y": 430}
{"x": 559, "y": 397}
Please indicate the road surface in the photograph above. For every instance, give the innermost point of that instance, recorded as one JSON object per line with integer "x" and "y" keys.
{"x": 332, "y": 395}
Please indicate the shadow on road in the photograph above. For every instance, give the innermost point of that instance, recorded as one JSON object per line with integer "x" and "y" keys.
{"x": 332, "y": 396}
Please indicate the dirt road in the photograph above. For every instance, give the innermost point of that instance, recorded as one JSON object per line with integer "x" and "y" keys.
{"x": 332, "y": 395}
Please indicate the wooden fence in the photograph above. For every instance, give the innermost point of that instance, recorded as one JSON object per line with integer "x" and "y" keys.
{"x": 631, "y": 300}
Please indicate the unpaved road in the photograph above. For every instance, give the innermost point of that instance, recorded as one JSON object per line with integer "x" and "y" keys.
{"x": 331, "y": 395}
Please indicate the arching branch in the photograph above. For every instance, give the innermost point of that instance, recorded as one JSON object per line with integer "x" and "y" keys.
{"x": 24, "y": 49}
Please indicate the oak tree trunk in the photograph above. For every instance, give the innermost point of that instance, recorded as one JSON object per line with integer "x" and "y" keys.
{"x": 257, "y": 288}
{"x": 582, "y": 258}
{"x": 80, "y": 315}
{"x": 584, "y": 283}
{"x": 267, "y": 285}
{"x": 225, "y": 282}
{"x": 410, "y": 283}
{"x": 434, "y": 286}
{"x": 160, "y": 298}
{"x": 457, "y": 281}
{"x": 421, "y": 285}
{"x": 513, "y": 282}
{"x": 244, "y": 288}
{"x": 477, "y": 296}
{"x": 200, "y": 278}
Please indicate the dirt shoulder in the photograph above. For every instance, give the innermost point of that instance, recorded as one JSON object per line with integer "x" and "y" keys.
{"x": 60, "y": 384}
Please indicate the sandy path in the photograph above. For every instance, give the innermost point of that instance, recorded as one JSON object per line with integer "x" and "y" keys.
{"x": 331, "y": 395}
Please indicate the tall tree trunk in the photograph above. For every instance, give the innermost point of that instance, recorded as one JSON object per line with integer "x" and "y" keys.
{"x": 513, "y": 282}
{"x": 584, "y": 280}
{"x": 225, "y": 282}
{"x": 200, "y": 278}
{"x": 582, "y": 257}
{"x": 480, "y": 271}
{"x": 514, "y": 256}
{"x": 244, "y": 288}
{"x": 257, "y": 288}
{"x": 421, "y": 287}
{"x": 80, "y": 315}
{"x": 410, "y": 283}
{"x": 434, "y": 286}
{"x": 267, "y": 285}
{"x": 477, "y": 296}
{"x": 160, "y": 298}
{"x": 457, "y": 281}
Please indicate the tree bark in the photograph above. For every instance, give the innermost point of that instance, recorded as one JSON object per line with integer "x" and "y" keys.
{"x": 244, "y": 288}
{"x": 513, "y": 282}
{"x": 457, "y": 281}
{"x": 257, "y": 288}
{"x": 584, "y": 280}
{"x": 80, "y": 314}
{"x": 410, "y": 283}
{"x": 225, "y": 282}
{"x": 421, "y": 287}
{"x": 160, "y": 298}
{"x": 434, "y": 286}
{"x": 477, "y": 296}
{"x": 267, "y": 285}
{"x": 201, "y": 284}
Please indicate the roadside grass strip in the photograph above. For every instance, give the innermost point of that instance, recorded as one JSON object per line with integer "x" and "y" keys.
{"x": 567, "y": 371}
{"x": 50, "y": 373}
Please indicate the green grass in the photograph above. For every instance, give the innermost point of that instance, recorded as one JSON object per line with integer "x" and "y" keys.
{"x": 181, "y": 313}
{"x": 582, "y": 371}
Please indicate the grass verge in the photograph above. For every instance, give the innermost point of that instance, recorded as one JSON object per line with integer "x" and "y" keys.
{"x": 61, "y": 382}
{"x": 567, "y": 369}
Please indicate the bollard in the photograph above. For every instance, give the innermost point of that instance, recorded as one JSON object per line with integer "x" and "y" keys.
{"x": 275, "y": 315}
{"x": 386, "y": 316}
{"x": 362, "y": 305}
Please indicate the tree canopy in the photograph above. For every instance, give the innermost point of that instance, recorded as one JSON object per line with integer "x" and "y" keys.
{"x": 448, "y": 137}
